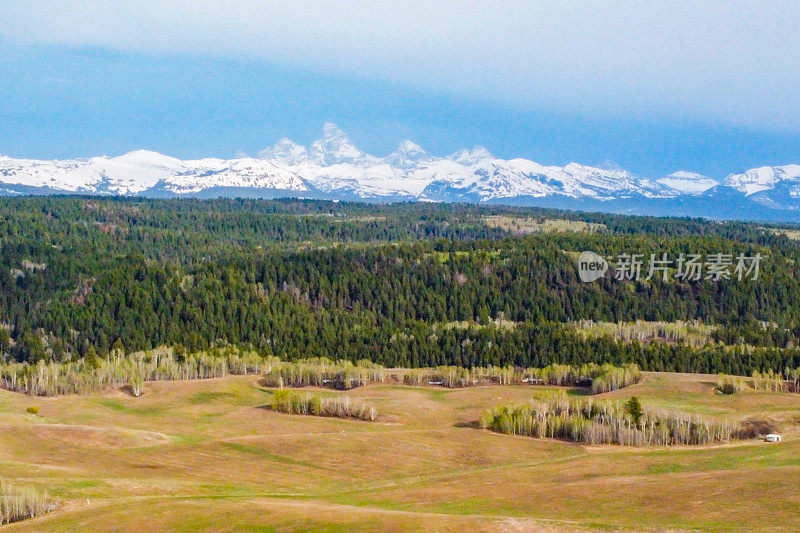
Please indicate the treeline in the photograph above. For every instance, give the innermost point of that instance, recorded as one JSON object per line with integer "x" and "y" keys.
{"x": 556, "y": 416}
{"x": 344, "y": 375}
{"x": 82, "y": 277}
{"x": 694, "y": 334}
{"x": 18, "y": 502}
{"x": 94, "y": 373}
{"x": 293, "y": 402}
{"x": 768, "y": 380}
{"x": 166, "y": 363}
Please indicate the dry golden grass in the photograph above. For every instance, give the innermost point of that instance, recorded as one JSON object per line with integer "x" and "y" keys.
{"x": 206, "y": 454}
{"x": 790, "y": 233}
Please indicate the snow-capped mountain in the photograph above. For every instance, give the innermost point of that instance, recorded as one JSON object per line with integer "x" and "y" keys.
{"x": 127, "y": 174}
{"x": 333, "y": 167}
{"x": 335, "y": 148}
{"x": 765, "y": 178}
{"x": 407, "y": 155}
{"x": 688, "y": 182}
{"x": 140, "y": 171}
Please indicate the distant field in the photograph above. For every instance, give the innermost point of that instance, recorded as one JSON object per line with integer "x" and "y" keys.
{"x": 207, "y": 454}
{"x": 525, "y": 225}
{"x": 790, "y": 233}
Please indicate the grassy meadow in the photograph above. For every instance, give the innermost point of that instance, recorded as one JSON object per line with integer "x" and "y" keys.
{"x": 211, "y": 454}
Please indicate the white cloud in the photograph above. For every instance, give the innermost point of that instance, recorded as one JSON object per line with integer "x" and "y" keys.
{"x": 737, "y": 62}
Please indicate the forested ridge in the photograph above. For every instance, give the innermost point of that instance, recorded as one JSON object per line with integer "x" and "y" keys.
{"x": 401, "y": 285}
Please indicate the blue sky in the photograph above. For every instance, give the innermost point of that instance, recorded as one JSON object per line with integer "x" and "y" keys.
{"x": 653, "y": 88}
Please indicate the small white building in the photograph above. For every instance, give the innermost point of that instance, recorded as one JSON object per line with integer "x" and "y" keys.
{"x": 772, "y": 437}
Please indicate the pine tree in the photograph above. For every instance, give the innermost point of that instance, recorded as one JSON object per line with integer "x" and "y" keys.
{"x": 634, "y": 409}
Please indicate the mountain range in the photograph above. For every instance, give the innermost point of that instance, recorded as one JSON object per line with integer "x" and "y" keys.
{"x": 334, "y": 168}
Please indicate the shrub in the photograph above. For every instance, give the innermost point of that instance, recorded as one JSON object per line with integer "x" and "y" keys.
{"x": 756, "y": 427}
{"x": 730, "y": 384}
{"x": 33, "y": 410}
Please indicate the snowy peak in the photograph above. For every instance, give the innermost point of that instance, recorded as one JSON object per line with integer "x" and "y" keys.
{"x": 410, "y": 150}
{"x": 764, "y": 178}
{"x": 335, "y": 148}
{"x": 148, "y": 158}
{"x": 407, "y": 155}
{"x": 688, "y": 182}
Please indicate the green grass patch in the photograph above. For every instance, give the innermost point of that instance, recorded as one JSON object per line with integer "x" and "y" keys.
{"x": 120, "y": 407}
{"x": 666, "y": 468}
{"x": 209, "y": 397}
